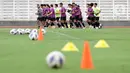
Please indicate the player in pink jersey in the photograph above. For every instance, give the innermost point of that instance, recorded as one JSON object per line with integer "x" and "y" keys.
{"x": 52, "y": 16}
{"x": 63, "y": 15}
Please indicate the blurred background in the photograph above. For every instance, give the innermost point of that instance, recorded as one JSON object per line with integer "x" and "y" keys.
{"x": 23, "y": 11}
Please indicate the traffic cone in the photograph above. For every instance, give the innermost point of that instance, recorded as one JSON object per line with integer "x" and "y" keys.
{"x": 40, "y": 35}
{"x": 86, "y": 62}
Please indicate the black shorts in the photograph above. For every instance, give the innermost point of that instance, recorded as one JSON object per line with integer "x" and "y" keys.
{"x": 72, "y": 18}
{"x": 47, "y": 18}
{"x": 97, "y": 18}
{"x": 39, "y": 18}
{"x": 57, "y": 18}
{"x": 63, "y": 18}
{"x": 81, "y": 19}
{"x": 52, "y": 18}
{"x": 43, "y": 18}
{"x": 77, "y": 17}
{"x": 91, "y": 18}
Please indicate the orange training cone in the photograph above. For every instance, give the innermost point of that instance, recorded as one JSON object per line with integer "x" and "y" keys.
{"x": 40, "y": 35}
{"x": 86, "y": 62}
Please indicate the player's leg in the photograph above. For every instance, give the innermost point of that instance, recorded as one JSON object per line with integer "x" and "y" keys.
{"x": 57, "y": 22}
{"x": 89, "y": 22}
{"x": 75, "y": 22}
{"x": 62, "y": 22}
{"x": 82, "y": 23}
{"x": 42, "y": 21}
{"x": 48, "y": 22}
{"x": 65, "y": 22}
{"x": 52, "y": 22}
{"x": 45, "y": 19}
{"x": 100, "y": 25}
{"x": 71, "y": 22}
{"x": 78, "y": 22}
{"x": 97, "y": 24}
{"x": 93, "y": 22}
{"x": 38, "y": 22}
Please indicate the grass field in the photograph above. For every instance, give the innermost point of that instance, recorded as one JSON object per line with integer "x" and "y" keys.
{"x": 18, "y": 54}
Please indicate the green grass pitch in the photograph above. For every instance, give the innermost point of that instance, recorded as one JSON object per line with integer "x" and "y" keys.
{"x": 18, "y": 54}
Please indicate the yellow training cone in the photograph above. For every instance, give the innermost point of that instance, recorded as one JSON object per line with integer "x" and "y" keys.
{"x": 69, "y": 47}
{"x": 101, "y": 44}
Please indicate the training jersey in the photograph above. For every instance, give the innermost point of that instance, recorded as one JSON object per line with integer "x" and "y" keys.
{"x": 77, "y": 12}
{"x": 48, "y": 11}
{"x": 44, "y": 13}
{"x": 80, "y": 15}
{"x": 63, "y": 12}
{"x": 39, "y": 12}
{"x": 53, "y": 13}
{"x": 73, "y": 12}
{"x": 57, "y": 12}
{"x": 90, "y": 14}
{"x": 69, "y": 12}
{"x": 96, "y": 11}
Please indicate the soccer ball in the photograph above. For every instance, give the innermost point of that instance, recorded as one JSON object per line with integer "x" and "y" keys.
{"x": 27, "y": 31}
{"x": 55, "y": 59}
{"x": 33, "y": 36}
{"x": 23, "y": 31}
{"x": 20, "y": 31}
{"x": 43, "y": 31}
{"x": 13, "y": 31}
{"x": 34, "y": 30}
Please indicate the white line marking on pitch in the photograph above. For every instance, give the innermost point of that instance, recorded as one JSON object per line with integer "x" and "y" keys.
{"x": 69, "y": 36}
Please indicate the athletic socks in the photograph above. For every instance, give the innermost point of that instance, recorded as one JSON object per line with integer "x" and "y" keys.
{"x": 83, "y": 24}
{"x": 79, "y": 25}
{"x": 66, "y": 25}
{"x": 71, "y": 25}
{"x": 62, "y": 24}
{"x": 58, "y": 25}
{"x": 52, "y": 24}
{"x": 89, "y": 23}
{"x": 76, "y": 24}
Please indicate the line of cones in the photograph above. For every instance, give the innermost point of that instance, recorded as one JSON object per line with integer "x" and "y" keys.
{"x": 86, "y": 61}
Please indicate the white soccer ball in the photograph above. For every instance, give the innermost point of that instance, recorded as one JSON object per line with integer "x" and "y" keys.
{"x": 20, "y": 31}
{"x": 23, "y": 31}
{"x": 13, "y": 31}
{"x": 33, "y": 36}
{"x": 43, "y": 31}
{"x": 55, "y": 59}
{"x": 34, "y": 30}
{"x": 27, "y": 31}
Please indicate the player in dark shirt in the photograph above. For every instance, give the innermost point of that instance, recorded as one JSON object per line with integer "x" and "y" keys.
{"x": 63, "y": 15}
{"x": 75, "y": 15}
{"x": 90, "y": 14}
{"x": 44, "y": 15}
{"x": 80, "y": 18}
{"x": 52, "y": 16}
{"x": 39, "y": 13}
{"x": 48, "y": 17}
